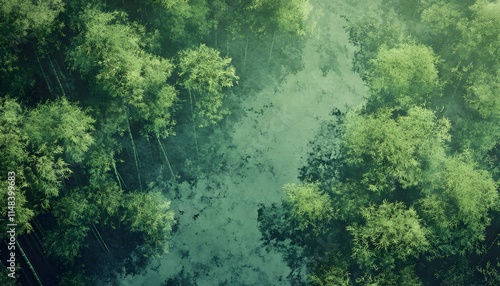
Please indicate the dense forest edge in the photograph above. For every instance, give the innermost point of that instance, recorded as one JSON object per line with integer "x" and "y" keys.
{"x": 105, "y": 109}
{"x": 403, "y": 190}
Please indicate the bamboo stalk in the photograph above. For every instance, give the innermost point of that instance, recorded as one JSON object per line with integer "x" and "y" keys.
{"x": 117, "y": 176}
{"x": 38, "y": 243}
{"x": 29, "y": 263}
{"x": 37, "y": 223}
{"x": 136, "y": 158}
{"x": 271, "y": 50}
{"x": 246, "y": 50}
{"x": 57, "y": 76}
{"x": 215, "y": 32}
{"x": 193, "y": 122}
{"x": 99, "y": 237}
{"x": 43, "y": 73}
{"x": 162, "y": 148}
{"x": 486, "y": 252}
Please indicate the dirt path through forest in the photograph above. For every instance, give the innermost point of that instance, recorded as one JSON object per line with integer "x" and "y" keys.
{"x": 217, "y": 242}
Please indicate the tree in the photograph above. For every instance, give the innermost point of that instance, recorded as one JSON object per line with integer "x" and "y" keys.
{"x": 61, "y": 123}
{"x": 287, "y": 16}
{"x": 482, "y": 94}
{"x": 484, "y": 38}
{"x": 14, "y": 154}
{"x": 24, "y": 22}
{"x": 28, "y": 19}
{"x": 332, "y": 270}
{"x": 390, "y": 235}
{"x": 403, "y": 76}
{"x": 204, "y": 73}
{"x": 74, "y": 214}
{"x": 148, "y": 213}
{"x": 59, "y": 133}
{"x": 385, "y": 150}
{"x": 375, "y": 29}
{"x": 458, "y": 209}
{"x": 307, "y": 207}
{"x": 415, "y": 206}
{"x": 443, "y": 23}
{"x": 111, "y": 52}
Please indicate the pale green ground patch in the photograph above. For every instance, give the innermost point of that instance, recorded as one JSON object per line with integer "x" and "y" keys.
{"x": 218, "y": 241}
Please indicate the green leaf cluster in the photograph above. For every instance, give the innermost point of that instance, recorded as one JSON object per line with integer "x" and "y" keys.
{"x": 204, "y": 73}
{"x": 308, "y": 207}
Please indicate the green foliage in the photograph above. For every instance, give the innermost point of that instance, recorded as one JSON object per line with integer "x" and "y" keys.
{"x": 403, "y": 277}
{"x": 373, "y": 30}
{"x": 63, "y": 124}
{"x": 149, "y": 213}
{"x": 75, "y": 209}
{"x": 491, "y": 273}
{"x": 458, "y": 210}
{"x": 443, "y": 20}
{"x": 25, "y": 19}
{"x": 12, "y": 139}
{"x": 390, "y": 235}
{"x": 472, "y": 190}
{"x": 288, "y": 16}
{"x": 331, "y": 271}
{"x": 308, "y": 207}
{"x": 387, "y": 149}
{"x": 111, "y": 52}
{"x": 65, "y": 243}
{"x": 74, "y": 214}
{"x": 14, "y": 159}
{"x": 482, "y": 95}
{"x": 24, "y": 213}
{"x": 403, "y": 76}
{"x": 57, "y": 132}
{"x": 108, "y": 198}
{"x": 204, "y": 70}
{"x": 483, "y": 39}
{"x": 205, "y": 73}
{"x": 47, "y": 173}
{"x": 415, "y": 186}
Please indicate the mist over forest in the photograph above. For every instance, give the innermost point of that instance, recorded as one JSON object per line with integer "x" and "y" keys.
{"x": 250, "y": 142}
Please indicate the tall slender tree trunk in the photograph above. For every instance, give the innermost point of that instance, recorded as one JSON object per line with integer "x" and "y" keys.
{"x": 37, "y": 224}
{"x": 456, "y": 87}
{"x": 136, "y": 157}
{"x": 164, "y": 152}
{"x": 215, "y": 36}
{"x": 57, "y": 76}
{"x": 29, "y": 263}
{"x": 194, "y": 123}
{"x": 116, "y": 174}
{"x": 38, "y": 244}
{"x": 486, "y": 252}
{"x": 121, "y": 178}
{"x": 43, "y": 73}
{"x": 245, "y": 53}
{"x": 271, "y": 50}
{"x": 99, "y": 238}
{"x": 227, "y": 44}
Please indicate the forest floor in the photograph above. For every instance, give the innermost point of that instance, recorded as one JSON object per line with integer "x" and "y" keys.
{"x": 217, "y": 240}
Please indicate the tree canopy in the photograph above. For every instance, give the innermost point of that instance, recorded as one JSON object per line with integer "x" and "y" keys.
{"x": 405, "y": 187}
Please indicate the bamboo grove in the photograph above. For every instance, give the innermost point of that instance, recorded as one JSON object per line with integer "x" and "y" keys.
{"x": 90, "y": 92}
{"x": 403, "y": 190}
